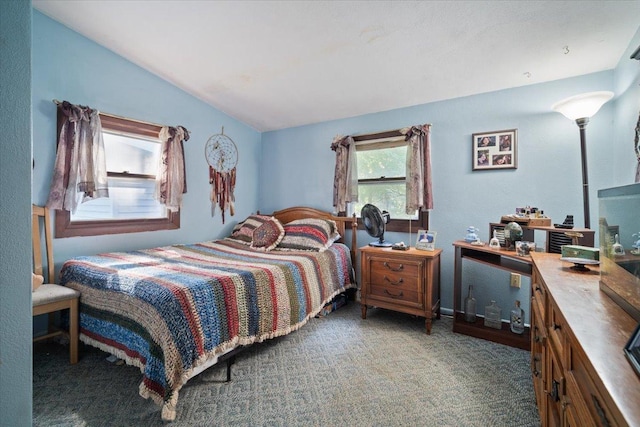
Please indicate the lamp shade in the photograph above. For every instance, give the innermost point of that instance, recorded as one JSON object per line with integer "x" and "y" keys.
{"x": 582, "y": 106}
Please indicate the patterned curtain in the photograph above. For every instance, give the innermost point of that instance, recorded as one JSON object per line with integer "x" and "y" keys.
{"x": 80, "y": 171}
{"x": 171, "y": 180}
{"x": 636, "y": 146}
{"x": 419, "y": 189}
{"x": 345, "y": 180}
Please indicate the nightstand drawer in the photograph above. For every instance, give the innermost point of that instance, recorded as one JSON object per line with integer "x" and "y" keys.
{"x": 398, "y": 296}
{"x": 403, "y": 268}
{"x": 407, "y": 280}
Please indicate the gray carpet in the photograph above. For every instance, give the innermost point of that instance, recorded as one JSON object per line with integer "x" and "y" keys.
{"x": 336, "y": 370}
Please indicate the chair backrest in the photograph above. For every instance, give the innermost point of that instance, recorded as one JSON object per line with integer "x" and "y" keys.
{"x": 40, "y": 219}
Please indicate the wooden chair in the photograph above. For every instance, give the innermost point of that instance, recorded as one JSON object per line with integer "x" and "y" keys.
{"x": 50, "y": 298}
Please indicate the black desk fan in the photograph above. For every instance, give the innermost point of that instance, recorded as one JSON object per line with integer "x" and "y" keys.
{"x": 375, "y": 223}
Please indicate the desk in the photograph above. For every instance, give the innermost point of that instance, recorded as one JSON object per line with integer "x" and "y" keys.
{"x": 498, "y": 258}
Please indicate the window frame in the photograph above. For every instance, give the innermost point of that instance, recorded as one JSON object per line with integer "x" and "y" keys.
{"x": 395, "y": 225}
{"x": 64, "y": 227}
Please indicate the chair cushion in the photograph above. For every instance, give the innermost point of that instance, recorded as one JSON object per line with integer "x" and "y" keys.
{"x": 48, "y": 293}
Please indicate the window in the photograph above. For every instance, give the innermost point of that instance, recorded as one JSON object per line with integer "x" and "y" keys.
{"x": 132, "y": 151}
{"x": 381, "y": 162}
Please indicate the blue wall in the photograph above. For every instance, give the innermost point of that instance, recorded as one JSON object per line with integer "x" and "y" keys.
{"x": 297, "y": 163}
{"x": 101, "y": 79}
{"x": 290, "y": 167}
{"x": 15, "y": 211}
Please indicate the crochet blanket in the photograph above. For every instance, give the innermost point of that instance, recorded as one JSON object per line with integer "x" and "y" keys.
{"x": 171, "y": 311}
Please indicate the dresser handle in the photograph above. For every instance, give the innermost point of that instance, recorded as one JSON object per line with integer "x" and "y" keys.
{"x": 392, "y": 295}
{"x": 600, "y": 411}
{"x": 538, "y": 288}
{"x": 536, "y": 360}
{"x": 399, "y": 282}
{"x": 554, "y": 393}
{"x": 556, "y": 327}
{"x": 400, "y": 268}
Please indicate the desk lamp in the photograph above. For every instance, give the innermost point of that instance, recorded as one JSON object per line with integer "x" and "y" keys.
{"x": 581, "y": 108}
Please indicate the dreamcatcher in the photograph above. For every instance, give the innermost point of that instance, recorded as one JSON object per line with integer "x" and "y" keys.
{"x": 222, "y": 155}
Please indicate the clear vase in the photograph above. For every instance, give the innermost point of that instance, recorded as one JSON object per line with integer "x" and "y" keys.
{"x": 492, "y": 316}
{"x": 470, "y": 306}
{"x": 517, "y": 319}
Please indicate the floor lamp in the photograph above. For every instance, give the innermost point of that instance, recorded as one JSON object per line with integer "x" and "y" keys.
{"x": 581, "y": 108}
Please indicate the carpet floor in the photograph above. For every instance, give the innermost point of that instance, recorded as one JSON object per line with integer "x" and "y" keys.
{"x": 336, "y": 370}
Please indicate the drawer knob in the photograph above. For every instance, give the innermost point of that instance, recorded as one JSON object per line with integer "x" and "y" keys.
{"x": 556, "y": 327}
{"x": 398, "y": 282}
{"x": 399, "y": 268}
{"x": 393, "y": 295}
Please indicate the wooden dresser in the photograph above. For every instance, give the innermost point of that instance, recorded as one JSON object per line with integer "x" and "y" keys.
{"x": 406, "y": 281}
{"x": 581, "y": 376}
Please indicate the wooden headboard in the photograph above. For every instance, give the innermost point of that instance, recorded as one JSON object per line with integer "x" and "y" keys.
{"x": 343, "y": 223}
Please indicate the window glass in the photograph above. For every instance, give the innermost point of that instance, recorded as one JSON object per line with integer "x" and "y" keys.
{"x": 131, "y": 155}
{"x": 381, "y": 179}
{"x": 131, "y": 168}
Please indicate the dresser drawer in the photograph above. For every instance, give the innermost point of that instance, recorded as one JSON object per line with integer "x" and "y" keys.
{"x": 597, "y": 408}
{"x": 539, "y": 293}
{"x": 556, "y": 325}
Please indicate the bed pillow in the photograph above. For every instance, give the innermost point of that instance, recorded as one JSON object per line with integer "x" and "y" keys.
{"x": 243, "y": 231}
{"x": 268, "y": 235}
{"x": 310, "y": 234}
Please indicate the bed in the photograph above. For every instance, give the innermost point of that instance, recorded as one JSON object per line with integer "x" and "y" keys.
{"x": 174, "y": 311}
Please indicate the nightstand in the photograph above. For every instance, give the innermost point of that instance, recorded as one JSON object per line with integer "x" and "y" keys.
{"x": 406, "y": 281}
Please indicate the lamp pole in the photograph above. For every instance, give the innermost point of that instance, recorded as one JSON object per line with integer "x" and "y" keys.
{"x": 582, "y": 124}
{"x": 580, "y": 108}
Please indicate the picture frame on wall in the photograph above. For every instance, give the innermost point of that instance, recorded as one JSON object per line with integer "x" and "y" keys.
{"x": 495, "y": 150}
{"x": 426, "y": 240}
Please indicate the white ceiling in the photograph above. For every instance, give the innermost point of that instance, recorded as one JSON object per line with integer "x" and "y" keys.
{"x": 278, "y": 64}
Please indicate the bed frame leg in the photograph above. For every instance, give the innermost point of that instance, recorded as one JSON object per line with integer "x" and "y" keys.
{"x": 230, "y": 362}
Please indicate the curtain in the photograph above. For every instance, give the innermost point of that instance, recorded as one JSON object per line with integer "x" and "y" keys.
{"x": 636, "y": 146}
{"x": 345, "y": 180}
{"x": 171, "y": 180}
{"x": 418, "y": 175}
{"x": 80, "y": 171}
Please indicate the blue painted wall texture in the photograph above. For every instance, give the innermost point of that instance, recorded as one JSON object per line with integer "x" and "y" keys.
{"x": 286, "y": 167}
{"x": 15, "y": 211}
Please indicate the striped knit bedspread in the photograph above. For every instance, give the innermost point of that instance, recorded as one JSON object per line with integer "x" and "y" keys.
{"x": 173, "y": 310}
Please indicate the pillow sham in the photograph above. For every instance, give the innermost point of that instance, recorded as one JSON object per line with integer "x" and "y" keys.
{"x": 309, "y": 234}
{"x": 243, "y": 231}
{"x": 268, "y": 235}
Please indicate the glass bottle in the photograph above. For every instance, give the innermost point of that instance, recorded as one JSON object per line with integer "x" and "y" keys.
{"x": 492, "y": 316}
{"x": 470, "y": 306}
{"x": 517, "y": 319}
{"x": 494, "y": 243}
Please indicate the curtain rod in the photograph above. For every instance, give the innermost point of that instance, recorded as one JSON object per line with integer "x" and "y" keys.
{"x": 382, "y": 134}
{"x": 55, "y": 101}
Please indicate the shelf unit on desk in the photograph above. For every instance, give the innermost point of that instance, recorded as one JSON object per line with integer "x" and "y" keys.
{"x": 555, "y": 237}
{"x": 498, "y": 258}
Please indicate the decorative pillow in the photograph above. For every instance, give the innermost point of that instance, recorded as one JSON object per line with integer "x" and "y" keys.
{"x": 268, "y": 235}
{"x": 309, "y": 234}
{"x": 243, "y": 231}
